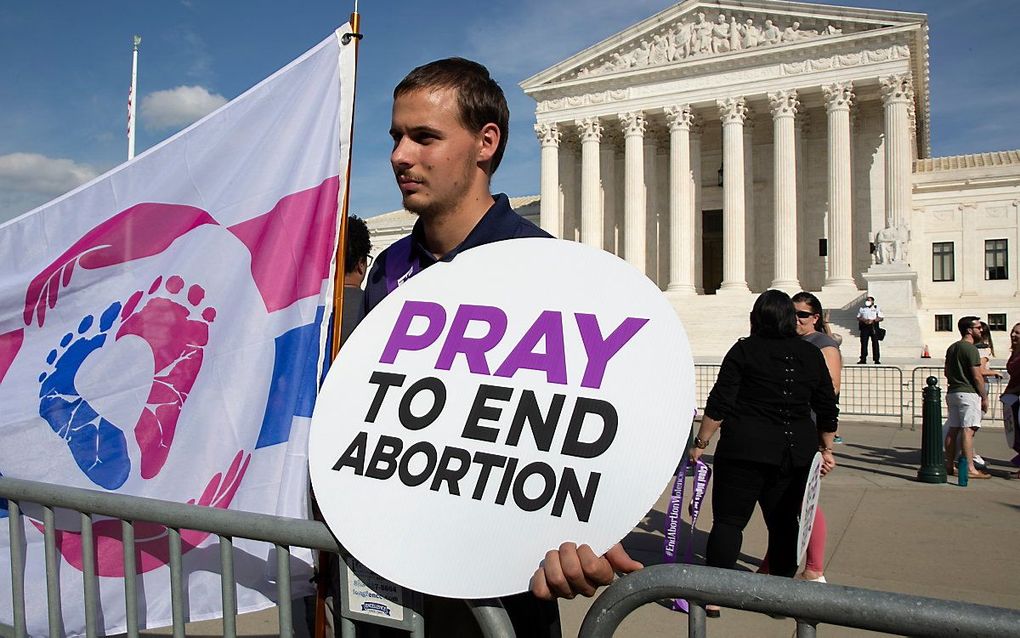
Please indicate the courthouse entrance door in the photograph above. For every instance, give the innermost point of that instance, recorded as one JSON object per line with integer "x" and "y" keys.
{"x": 711, "y": 250}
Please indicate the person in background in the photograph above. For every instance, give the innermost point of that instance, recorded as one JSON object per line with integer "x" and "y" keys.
{"x": 356, "y": 263}
{"x": 811, "y": 326}
{"x": 966, "y": 396}
{"x": 987, "y": 351}
{"x": 768, "y": 386}
{"x": 868, "y": 319}
{"x": 1011, "y": 397}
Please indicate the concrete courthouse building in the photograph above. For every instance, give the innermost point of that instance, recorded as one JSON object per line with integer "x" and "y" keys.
{"x": 723, "y": 148}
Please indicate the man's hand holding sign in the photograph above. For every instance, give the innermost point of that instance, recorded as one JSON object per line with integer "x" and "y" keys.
{"x": 476, "y": 420}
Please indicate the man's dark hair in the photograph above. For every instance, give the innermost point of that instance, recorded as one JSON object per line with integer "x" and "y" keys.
{"x": 772, "y": 316}
{"x": 479, "y": 98}
{"x": 965, "y": 323}
{"x": 358, "y": 243}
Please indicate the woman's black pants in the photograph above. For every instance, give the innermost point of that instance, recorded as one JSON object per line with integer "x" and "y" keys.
{"x": 738, "y": 485}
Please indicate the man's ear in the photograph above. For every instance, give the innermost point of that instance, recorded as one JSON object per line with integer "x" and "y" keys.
{"x": 362, "y": 267}
{"x": 488, "y": 142}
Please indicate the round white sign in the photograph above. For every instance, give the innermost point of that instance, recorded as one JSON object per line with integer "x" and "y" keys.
{"x": 528, "y": 393}
{"x": 809, "y": 506}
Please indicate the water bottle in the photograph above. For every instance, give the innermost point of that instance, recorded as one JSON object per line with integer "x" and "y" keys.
{"x": 961, "y": 471}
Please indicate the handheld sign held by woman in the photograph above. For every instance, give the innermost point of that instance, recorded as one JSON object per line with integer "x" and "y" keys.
{"x": 528, "y": 393}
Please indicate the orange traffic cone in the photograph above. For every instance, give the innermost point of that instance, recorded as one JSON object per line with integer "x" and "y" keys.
{"x": 924, "y": 353}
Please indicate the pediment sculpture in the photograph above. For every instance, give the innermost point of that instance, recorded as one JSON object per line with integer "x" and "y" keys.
{"x": 699, "y": 36}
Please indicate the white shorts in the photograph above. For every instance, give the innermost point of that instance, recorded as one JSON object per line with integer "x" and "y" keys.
{"x": 964, "y": 410}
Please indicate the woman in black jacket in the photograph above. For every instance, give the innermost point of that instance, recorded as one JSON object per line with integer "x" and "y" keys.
{"x": 768, "y": 385}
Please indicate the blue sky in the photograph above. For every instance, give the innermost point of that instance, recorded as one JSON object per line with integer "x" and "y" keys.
{"x": 66, "y": 70}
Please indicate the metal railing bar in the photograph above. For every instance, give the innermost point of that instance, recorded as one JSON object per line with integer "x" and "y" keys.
{"x": 90, "y": 585}
{"x": 176, "y": 581}
{"x": 127, "y": 532}
{"x": 805, "y": 629}
{"x": 283, "y": 589}
{"x": 228, "y": 588}
{"x": 264, "y": 527}
{"x": 56, "y": 622}
{"x": 492, "y": 618}
{"x": 812, "y": 602}
{"x": 17, "y": 567}
{"x": 696, "y": 620}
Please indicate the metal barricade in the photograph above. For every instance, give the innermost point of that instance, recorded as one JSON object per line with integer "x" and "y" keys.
{"x": 705, "y": 375}
{"x": 228, "y": 525}
{"x": 810, "y": 603}
{"x": 994, "y": 386}
{"x": 866, "y": 391}
{"x": 872, "y": 391}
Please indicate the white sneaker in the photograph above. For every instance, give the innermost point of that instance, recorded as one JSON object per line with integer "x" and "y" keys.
{"x": 979, "y": 462}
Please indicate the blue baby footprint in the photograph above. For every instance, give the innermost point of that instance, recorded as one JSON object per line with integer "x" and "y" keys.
{"x": 98, "y": 446}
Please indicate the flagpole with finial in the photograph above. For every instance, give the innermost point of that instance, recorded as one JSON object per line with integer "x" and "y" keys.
{"x": 324, "y": 572}
{"x": 131, "y": 98}
{"x": 348, "y": 39}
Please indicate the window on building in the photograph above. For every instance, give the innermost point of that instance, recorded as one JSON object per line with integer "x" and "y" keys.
{"x": 997, "y": 321}
{"x": 942, "y": 261}
{"x": 995, "y": 259}
{"x": 943, "y": 323}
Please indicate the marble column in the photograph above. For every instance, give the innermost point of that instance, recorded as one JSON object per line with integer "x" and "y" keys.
{"x": 681, "y": 201}
{"x": 784, "y": 106}
{"x": 607, "y": 150}
{"x": 590, "y": 132}
{"x": 750, "y": 232}
{"x": 549, "y": 211}
{"x": 897, "y": 96}
{"x": 568, "y": 190}
{"x": 732, "y": 112}
{"x": 696, "y": 129}
{"x": 651, "y": 149}
{"x": 633, "y": 126}
{"x": 838, "y": 97}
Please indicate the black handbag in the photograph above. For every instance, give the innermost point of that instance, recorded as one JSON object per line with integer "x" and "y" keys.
{"x": 880, "y": 333}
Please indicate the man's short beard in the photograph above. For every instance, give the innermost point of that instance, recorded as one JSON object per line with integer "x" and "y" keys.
{"x": 425, "y": 211}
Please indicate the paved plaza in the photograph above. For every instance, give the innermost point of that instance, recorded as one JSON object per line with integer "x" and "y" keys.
{"x": 886, "y": 532}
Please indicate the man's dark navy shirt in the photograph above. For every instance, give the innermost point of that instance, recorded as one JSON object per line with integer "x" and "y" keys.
{"x": 500, "y": 222}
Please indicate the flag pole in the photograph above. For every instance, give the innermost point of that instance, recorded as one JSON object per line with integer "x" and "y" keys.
{"x": 352, "y": 39}
{"x": 324, "y": 573}
{"x": 131, "y": 98}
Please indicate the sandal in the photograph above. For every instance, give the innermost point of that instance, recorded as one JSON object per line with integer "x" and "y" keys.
{"x": 980, "y": 475}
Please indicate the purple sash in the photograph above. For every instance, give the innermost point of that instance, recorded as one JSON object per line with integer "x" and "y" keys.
{"x": 401, "y": 265}
{"x": 702, "y": 474}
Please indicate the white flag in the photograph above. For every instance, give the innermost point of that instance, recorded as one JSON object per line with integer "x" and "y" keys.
{"x": 161, "y": 335}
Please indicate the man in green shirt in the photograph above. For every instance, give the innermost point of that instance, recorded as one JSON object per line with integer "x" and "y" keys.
{"x": 967, "y": 397}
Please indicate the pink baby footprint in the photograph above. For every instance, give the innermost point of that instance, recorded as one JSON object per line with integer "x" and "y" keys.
{"x": 177, "y": 331}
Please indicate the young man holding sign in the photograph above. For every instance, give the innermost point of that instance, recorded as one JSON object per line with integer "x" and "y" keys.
{"x": 449, "y": 129}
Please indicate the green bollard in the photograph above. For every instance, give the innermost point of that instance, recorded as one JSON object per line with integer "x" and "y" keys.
{"x": 933, "y": 463}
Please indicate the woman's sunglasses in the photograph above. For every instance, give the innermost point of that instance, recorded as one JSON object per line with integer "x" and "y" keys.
{"x": 804, "y": 314}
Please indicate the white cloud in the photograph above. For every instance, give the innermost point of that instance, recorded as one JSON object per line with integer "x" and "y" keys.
{"x": 29, "y": 179}
{"x": 178, "y": 107}
{"x": 34, "y": 173}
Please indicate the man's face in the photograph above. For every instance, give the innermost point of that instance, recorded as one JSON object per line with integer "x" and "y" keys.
{"x": 434, "y": 158}
{"x": 975, "y": 331}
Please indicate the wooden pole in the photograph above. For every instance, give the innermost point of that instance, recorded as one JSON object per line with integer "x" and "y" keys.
{"x": 325, "y": 572}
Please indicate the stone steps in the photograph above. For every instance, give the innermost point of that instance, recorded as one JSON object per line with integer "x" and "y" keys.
{"x": 714, "y": 322}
